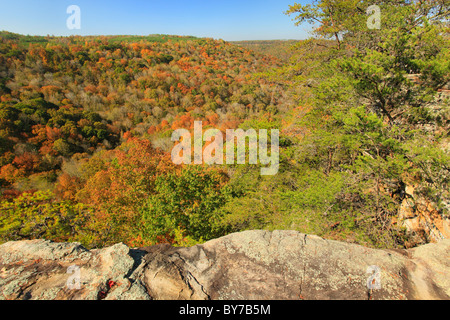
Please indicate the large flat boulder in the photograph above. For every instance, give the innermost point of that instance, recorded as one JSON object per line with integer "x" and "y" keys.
{"x": 252, "y": 265}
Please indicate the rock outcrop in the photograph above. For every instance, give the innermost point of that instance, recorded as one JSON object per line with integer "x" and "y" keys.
{"x": 422, "y": 218}
{"x": 251, "y": 265}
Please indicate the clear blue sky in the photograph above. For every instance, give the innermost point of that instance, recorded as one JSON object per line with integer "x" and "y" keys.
{"x": 220, "y": 19}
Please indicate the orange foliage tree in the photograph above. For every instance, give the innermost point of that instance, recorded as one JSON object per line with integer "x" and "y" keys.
{"x": 119, "y": 183}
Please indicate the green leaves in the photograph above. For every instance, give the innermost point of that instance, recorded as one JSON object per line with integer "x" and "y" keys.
{"x": 40, "y": 216}
{"x": 332, "y": 16}
{"x": 186, "y": 207}
{"x": 372, "y": 122}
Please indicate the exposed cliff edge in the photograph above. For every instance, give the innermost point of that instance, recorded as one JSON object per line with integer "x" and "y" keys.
{"x": 248, "y": 265}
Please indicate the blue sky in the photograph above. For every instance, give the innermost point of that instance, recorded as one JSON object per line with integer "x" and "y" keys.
{"x": 220, "y": 19}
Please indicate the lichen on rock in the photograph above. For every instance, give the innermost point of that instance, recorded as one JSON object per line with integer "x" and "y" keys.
{"x": 252, "y": 265}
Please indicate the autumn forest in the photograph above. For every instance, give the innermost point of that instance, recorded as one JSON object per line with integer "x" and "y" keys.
{"x": 363, "y": 115}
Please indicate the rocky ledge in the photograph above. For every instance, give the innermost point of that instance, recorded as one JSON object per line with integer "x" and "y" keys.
{"x": 253, "y": 265}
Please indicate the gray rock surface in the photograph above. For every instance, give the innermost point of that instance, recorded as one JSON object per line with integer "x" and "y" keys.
{"x": 255, "y": 265}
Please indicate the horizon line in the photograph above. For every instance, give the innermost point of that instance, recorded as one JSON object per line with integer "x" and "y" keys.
{"x": 146, "y": 35}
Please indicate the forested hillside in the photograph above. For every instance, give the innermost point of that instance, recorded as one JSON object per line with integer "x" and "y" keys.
{"x": 86, "y": 125}
{"x": 88, "y": 121}
{"x": 281, "y": 49}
